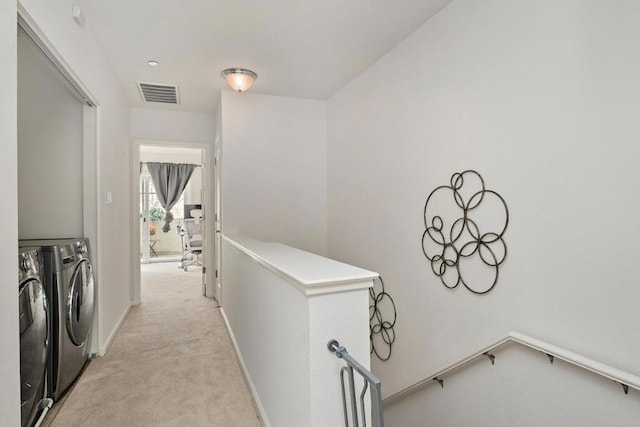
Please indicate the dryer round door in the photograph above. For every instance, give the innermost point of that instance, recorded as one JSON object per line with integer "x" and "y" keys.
{"x": 80, "y": 303}
{"x": 34, "y": 343}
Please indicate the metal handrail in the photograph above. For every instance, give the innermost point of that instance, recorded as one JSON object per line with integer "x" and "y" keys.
{"x": 370, "y": 380}
{"x": 625, "y": 379}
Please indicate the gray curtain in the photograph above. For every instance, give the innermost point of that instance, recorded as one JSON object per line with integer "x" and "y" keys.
{"x": 170, "y": 179}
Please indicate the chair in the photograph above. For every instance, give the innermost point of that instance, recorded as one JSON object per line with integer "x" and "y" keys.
{"x": 193, "y": 243}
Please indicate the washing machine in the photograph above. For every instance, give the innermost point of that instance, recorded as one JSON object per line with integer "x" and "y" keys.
{"x": 69, "y": 285}
{"x": 34, "y": 334}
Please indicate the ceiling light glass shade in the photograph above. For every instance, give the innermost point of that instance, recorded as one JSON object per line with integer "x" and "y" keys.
{"x": 239, "y": 79}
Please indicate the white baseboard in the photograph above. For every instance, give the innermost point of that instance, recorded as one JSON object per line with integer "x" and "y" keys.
{"x": 104, "y": 348}
{"x": 254, "y": 393}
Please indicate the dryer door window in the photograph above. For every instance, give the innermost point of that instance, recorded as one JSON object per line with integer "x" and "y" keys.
{"x": 80, "y": 303}
{"x": 34, "y": 343}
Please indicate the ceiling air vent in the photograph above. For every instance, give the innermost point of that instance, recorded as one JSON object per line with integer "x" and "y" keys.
{"x": 158, "y": 92}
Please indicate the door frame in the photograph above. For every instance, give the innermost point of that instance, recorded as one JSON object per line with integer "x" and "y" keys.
{"x": 217, "y": 188}
{"x": 207, "y": 190}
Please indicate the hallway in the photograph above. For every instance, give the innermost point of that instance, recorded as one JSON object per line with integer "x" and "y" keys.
{"x": 172, "y": 364}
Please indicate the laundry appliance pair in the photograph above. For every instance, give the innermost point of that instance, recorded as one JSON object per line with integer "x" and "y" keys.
{"x": 69, "y": 289}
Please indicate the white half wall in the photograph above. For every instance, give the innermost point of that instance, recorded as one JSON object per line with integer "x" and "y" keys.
{"x": 282, "y": 306}
{"x": 9, "y": 336}
{"x": 253, "y": 321}
{"x": 542, "y": 99}
{"x": 82, "y": 53}
{"x": 274, "y": 169}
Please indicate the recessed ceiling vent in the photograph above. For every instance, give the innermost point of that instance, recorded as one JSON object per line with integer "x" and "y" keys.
{"x": 159, "y": 92}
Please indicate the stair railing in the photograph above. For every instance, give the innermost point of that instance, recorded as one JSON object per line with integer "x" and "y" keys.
{"x": 349, "y": 399}
{"x": 625, "y": 379}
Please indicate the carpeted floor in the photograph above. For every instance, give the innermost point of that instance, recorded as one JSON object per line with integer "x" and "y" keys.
{"x": 172, "y": 364}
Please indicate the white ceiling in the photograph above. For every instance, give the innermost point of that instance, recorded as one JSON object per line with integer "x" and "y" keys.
{"x": 299, "y": 48}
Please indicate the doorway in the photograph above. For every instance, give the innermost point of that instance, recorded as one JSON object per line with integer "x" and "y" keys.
{"x": 150, "y": 243}
{"x": 155, "y": 244}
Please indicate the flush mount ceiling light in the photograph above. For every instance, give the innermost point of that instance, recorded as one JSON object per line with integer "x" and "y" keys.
{"x": 153, "y": 63}
{"x": 239, "y": 79}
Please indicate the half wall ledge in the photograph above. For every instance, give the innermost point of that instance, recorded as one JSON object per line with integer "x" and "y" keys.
{"x": 311, "y": 274}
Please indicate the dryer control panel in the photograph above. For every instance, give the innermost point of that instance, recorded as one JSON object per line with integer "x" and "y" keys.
{"x": 29, "y": 263}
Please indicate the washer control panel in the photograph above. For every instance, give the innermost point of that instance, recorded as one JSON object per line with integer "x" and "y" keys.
{"x": 29, "y": 263}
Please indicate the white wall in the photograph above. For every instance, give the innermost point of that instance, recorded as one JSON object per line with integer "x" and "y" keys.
{"x": 9, "y": 338}
{"x": 172, "y": 155}
{"x": 522, "y": 389}
{"x": 542, "y": 99}
{"x": 274, "y": 169}
{"x": 49, "y": 150}
{"x": 82, "y": 53}
{"x": 193, "y": 191}
{"x": 172, "y": 125}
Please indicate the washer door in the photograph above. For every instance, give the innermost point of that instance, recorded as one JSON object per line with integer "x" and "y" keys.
{"x": 80, "y": 303}
{"x": 34, "y": 344}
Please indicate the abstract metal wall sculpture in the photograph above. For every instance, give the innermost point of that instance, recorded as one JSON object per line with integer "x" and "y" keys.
{"x": 381, "y": 331}
{"x": 464, "y": 228}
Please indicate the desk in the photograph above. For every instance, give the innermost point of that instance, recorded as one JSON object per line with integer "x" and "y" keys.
{"x": 152, "y": 243}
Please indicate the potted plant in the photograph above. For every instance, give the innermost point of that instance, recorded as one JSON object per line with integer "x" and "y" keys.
{"x": 156, "y": 214}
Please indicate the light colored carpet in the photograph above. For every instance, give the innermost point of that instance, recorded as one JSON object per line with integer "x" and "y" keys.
{"x": 172, "y": 364}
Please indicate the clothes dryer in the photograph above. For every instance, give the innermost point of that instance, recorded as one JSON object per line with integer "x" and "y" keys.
{"x": 70, "y": 287}
{"x": 34, "y": 333}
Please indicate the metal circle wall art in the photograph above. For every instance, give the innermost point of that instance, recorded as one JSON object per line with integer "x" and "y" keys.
{"x": 464, "y": 232}
{"x": 381, "y": 333}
